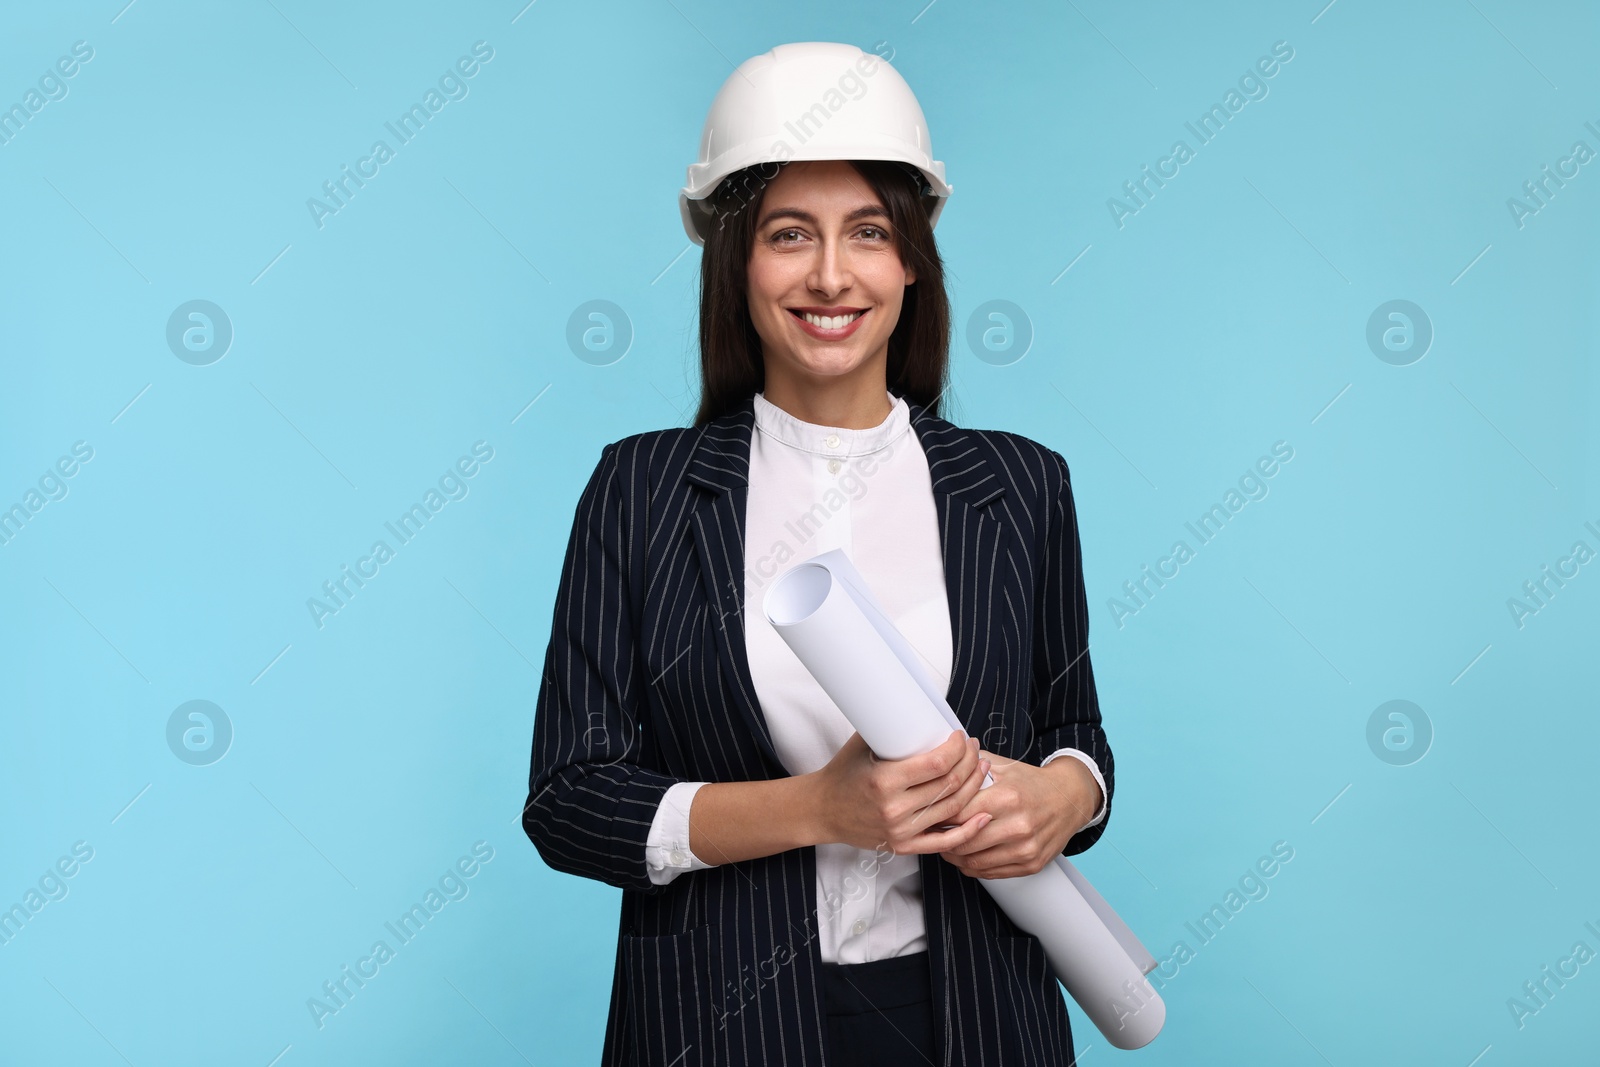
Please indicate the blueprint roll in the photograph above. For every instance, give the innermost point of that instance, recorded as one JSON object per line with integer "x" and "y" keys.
{"x": 825, "y": 613}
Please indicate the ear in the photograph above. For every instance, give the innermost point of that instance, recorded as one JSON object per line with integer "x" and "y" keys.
{"x": 911, "y": 275}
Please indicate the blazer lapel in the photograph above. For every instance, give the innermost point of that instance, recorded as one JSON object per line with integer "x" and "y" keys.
{"x": 721, "y": 465}
{"x": 973, "y": 544}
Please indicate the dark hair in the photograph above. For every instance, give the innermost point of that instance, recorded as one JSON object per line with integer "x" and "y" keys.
{"x": 730, "y": 349}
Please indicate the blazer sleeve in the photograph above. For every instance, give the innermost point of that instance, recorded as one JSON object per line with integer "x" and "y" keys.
{"x": 590, "y": 800}
{"x": 1066, "y": 709}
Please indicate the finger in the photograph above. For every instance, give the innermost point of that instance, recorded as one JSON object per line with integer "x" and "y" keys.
{"x": 966, "y": 795}
{"x": 938, "y": 800}
{"x": 963, "y": 864}
{"x": 1010, "y": 870}
{"x": 960, "y": 769}
{"x": 960, "y": 863}
{"x": 998, "y": 762}
{"x": 964, "y": 805}
{"x": 951, "y": 835}
{"x": 943, "y": 799}
{"x": 896, "y": 776}
{"x": 948, "y": 840}
{"x": 993, "y": 847}
{"x": 942, "y": 758}
{"x": 1001, "y": 855}
{"x": 976, "y": 778}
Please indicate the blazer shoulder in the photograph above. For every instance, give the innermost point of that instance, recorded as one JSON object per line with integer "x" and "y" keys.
{"x": 1030, "y": 468}
{"x": 646, "y": 440}
{"x": 652, "y": 456}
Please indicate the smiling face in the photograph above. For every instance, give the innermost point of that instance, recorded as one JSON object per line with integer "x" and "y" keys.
{"x": 825, "y": 288}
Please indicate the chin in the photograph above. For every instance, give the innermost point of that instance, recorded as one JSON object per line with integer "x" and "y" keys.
{"x": 836, "y": 367}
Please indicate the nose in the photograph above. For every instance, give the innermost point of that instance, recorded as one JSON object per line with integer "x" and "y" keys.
{"x": 830, "y": 268}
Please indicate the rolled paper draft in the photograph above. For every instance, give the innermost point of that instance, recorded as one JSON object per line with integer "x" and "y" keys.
{"x": 825, "y": 613}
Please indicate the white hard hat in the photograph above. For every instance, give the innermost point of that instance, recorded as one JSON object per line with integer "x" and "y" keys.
{"x": 813, "y": 100}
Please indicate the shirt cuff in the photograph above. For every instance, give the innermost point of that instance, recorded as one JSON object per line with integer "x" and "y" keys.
{"x": 666, "y": 851}
{"x": 1087, "y": 762}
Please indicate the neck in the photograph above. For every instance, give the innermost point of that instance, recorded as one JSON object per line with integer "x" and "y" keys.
{"x": 846, "y": 403}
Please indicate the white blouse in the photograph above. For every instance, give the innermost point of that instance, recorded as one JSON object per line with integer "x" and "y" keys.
{"x": 867, "y": 491}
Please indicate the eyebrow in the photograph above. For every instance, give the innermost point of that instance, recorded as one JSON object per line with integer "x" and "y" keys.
{"x": 862, "y": 212}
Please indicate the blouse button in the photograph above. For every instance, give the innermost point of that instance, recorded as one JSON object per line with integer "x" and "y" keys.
{"x": 833, "y": 466}
{"x": 832, "y": 440}
{"x": 859, "y": 927}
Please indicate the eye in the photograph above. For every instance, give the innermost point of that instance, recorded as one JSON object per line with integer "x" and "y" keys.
{"x": 878, "y": 232}
{"x": 777, "y": 238}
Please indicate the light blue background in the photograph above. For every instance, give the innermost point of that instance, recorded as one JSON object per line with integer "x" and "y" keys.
{"x": 1228, "y": 314}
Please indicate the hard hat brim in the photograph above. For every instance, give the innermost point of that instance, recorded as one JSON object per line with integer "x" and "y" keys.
{"x": 694, "y": 202}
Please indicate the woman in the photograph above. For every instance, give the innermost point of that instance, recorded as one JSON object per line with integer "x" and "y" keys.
{"x": 789, "y": 898}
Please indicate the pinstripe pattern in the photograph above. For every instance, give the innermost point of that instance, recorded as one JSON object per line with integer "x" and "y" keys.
{"x": 646, "y": 683}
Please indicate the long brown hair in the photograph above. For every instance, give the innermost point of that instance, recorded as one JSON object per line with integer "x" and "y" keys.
{"x": 730, "y": 349}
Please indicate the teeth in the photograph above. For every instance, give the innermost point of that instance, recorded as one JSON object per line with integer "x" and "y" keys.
{"x": 831, "y": 322}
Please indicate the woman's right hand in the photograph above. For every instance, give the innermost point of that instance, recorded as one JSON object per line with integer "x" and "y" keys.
{"x": 891, "y": 804}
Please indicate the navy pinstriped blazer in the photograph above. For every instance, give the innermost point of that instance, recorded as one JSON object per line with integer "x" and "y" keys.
{"x": 646, "y": 683}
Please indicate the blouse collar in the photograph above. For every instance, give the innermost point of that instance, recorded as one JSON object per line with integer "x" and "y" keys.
{"x": 831, "y": 442}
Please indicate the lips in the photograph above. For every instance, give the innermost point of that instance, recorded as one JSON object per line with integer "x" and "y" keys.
{"x": 840, "y": 326}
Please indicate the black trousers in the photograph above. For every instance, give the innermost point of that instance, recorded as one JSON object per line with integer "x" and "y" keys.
{"x": 880, "y": 1012}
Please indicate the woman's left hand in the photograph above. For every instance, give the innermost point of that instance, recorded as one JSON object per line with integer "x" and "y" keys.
{"x": 1034, "y": 813}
